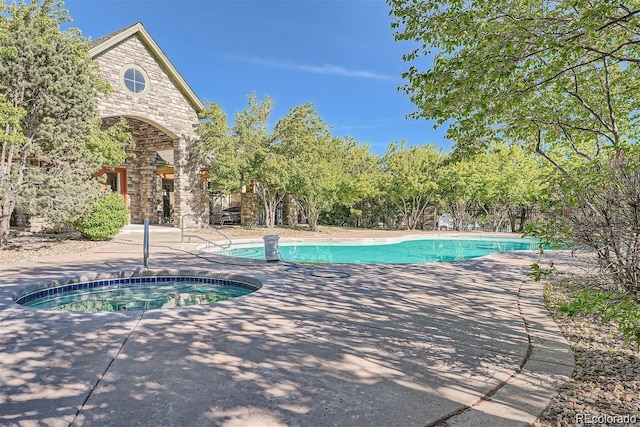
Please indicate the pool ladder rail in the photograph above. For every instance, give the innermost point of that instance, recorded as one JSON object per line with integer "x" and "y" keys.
{"x": 202, "y": 224}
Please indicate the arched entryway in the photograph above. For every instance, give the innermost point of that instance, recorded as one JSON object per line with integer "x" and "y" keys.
{"x": 146, "y": 180}
{"x": 162, "y": 112}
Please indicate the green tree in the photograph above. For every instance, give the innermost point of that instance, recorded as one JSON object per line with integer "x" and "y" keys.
{"x": 12, "y": 139}
{"x": 561, "y": 78}
{"x": 523, "y": 175}
{"x": 330, "y": 171}
{"x": 357, "y": 205}
{"x": 52, "y": 143}
{"x": 456, "y": 186}
{"x": 299, "y": 157}
{"x": 219, "y": 151}
{"x": 315, "y": 158}
{"x": 246, "y": 153}
{"x": 364, "y": 171}
{"x": 537, "y": 72}
{"x": 507, "y": 180}
{"x": 488, "y": 187}
{"x": 249, "y": 152}
{"x": 410, "y": 180}
{"x": 267, "y": 159}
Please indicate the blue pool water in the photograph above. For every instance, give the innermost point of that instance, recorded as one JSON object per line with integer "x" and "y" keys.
{"x": 405, "y": 252}
{"x": 139, "y": 293}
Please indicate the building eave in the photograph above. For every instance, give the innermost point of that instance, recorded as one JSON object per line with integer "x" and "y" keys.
{"x": 105, "y": 43}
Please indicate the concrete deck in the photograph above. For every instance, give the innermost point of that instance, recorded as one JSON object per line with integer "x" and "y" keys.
{"x": 466, "y": 343}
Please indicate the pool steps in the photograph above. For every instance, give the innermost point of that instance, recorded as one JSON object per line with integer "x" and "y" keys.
{"x": 202, "y": 224}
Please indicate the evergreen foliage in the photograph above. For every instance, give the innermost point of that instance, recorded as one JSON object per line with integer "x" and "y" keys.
{"x": 52, "y": 143}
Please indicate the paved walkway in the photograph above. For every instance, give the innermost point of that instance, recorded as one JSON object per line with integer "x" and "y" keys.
{"x": 469, "y": 343}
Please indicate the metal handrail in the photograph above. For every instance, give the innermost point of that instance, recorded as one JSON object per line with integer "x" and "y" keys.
{"x": 145, "y": 244}
{"x": 202, "y": 224}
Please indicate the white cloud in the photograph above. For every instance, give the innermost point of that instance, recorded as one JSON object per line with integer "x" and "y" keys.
{"x": 329, "y": 69}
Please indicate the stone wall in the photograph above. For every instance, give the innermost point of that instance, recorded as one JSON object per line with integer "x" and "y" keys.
{"x": 289, "y": 210}
{"x": 429, "y": 218}
{"x": 183, "y": 183}
{"x": 160, "y": 118}
{"x": 250, "y": 209}
{"x": 163, "y": 103}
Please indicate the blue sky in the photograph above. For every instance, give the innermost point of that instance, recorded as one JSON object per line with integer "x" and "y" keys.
{"x": 338, "y": 54}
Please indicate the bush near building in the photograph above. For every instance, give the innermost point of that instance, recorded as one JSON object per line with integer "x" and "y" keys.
{"x": 105, "y": 219}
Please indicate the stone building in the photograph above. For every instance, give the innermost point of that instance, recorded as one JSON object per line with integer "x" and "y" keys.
{"x": 159, "y": 182}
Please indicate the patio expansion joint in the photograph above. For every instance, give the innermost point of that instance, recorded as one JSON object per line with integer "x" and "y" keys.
{"x": 113, "y": 359}
{"x": 459, "y": 415}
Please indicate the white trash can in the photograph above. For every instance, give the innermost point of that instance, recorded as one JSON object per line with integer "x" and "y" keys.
{"x": 271, "y": 247}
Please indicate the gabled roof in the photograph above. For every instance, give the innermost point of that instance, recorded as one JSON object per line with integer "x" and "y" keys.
{"x": 165, "y": 156}
{"x": 104, "y": 43}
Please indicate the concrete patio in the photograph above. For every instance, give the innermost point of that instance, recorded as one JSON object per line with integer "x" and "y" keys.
{"x": 469, "y": 343}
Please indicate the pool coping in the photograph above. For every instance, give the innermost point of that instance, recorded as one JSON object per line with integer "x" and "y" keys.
{"x": 106, "y": 279}
{"x": 356, "y": 241}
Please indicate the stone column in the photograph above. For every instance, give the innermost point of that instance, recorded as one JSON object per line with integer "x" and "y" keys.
{"x": 159, "y": 204}
{"x": 148, "y": 190}
{"x": 289, "y": 210}
{"x": 249, "y": 210}
{"x": 429, "y": 218}
{"x": 133, "y": 188}
{"x": 181, "y": 187}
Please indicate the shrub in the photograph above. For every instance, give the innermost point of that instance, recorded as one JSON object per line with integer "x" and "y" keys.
{"x": 609, "y": 306}
{"x": 104, "y": 219}
{"x": 595, "y": 205}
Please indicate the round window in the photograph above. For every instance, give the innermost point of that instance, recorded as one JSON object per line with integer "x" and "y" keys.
{"x": 134, "y": 79}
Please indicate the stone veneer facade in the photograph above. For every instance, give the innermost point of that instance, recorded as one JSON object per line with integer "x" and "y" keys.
{"x": 160, "y": 118}
{"x": 249, "y": 209}
{"x": 290, "y": 210}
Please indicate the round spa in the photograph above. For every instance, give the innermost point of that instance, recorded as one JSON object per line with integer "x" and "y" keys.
{"x": 142, "y": 290}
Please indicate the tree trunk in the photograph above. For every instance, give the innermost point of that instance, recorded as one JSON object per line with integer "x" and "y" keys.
{"x": 269, "y": 213}
{"x": 410, "y": 221}
{"x": 312, "y": 219}
{"x": 512, "y": 221}
{"x": 5, "y": 220}
{"x": 523, "y": 219}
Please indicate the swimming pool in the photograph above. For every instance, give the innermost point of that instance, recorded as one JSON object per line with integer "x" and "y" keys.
{"x": 376, "y": 252}
{"x": 136, "y": 293}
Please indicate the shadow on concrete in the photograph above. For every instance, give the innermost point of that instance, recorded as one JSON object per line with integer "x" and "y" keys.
{"x": 373, "y": 345}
